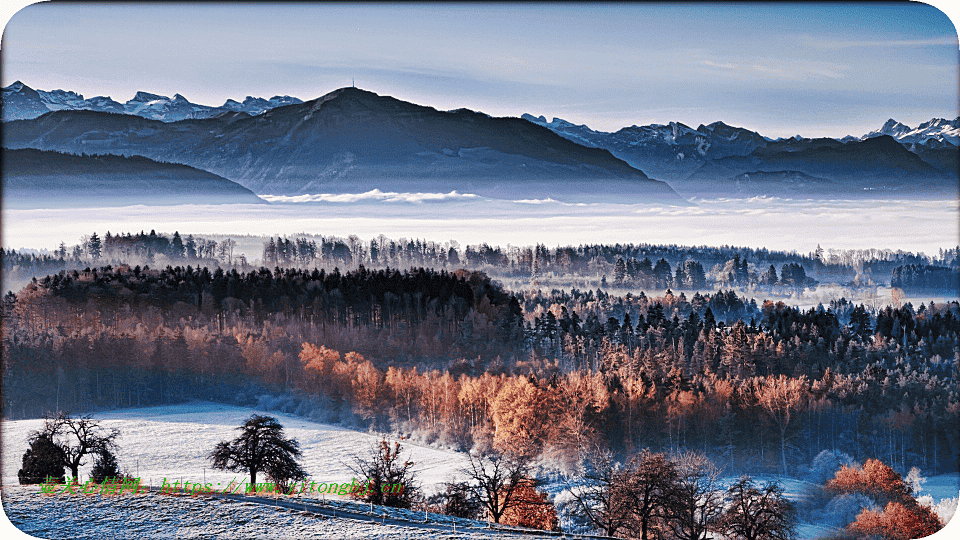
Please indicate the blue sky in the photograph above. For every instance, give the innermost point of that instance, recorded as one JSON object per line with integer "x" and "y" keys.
{"x": 781, "y": 69}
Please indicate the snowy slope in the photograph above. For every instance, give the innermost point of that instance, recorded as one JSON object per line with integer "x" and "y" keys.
{"x": 172, "y": 442}
{"x": 160, "y": 516}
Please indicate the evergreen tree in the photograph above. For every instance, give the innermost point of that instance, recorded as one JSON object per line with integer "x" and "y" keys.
{"x": 619, "y": 271}
{"x": 663, "y": 273}
{"x": 270, "y": 253}
{"x": 191, "y": 247}
{"x": 770, "y": 276}
{"x": 680, "y": 279}
{"x": 42, "y": 460}
{"x": 94, "y": 246}
{"x": 105, "y": 467}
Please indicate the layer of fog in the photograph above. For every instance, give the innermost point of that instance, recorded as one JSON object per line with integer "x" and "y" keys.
{"x": 780, "y": 224}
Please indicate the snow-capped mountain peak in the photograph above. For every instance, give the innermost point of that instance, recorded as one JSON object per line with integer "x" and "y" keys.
{"x": 939, "y": 129}
{"x": 15, "y": 87}
{"x": 22, "y": 102}
{"x": 146, "y": 97}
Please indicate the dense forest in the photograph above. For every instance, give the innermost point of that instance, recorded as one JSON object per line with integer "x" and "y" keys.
{"x": 454, "y": 358}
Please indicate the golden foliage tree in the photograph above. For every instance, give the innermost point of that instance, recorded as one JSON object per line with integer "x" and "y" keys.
{"x": 897, "y": 522}
{"x": 519, "y": 416}
{"x": 782, "y": 397}
{"x": 532, "y": 509}
{"x": 875, "y": 479}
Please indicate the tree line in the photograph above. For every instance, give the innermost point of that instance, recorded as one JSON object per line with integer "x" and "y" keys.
{"x": 645, "y": 266}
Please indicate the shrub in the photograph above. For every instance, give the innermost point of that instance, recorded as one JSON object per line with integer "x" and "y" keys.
{"x": 459, "y": 501}
{"x": 875, "y": 479}
{"x": 826, "y": 464}
{"x": 897, "y": 522}
{"x": 42, "y": 460}
{"x": 532, "y": 510}
{"x": 104, "y": 467}
{"x": 844, "y": 508}
{"x": 391, "y": 480}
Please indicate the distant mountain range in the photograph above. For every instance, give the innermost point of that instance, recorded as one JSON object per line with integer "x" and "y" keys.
{"x": 938, "y": 129}
{"x": 711, "y": 159}
{"x": 352, "y": 140}
{"x": 20, "y": 102}
{"x": 32, "y": 177}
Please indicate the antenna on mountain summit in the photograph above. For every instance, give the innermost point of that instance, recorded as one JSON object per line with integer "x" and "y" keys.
{"x": 353, "y": 82}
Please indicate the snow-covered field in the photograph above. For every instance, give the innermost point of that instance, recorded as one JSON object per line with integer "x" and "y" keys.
{"x": 161, "y": 516}
{"x": 173, "y": 441}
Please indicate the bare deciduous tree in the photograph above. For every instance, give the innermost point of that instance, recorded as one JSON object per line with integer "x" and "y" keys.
{"x": 758, "y": 513}
{"x": 651, "y": 484}
{"x": 603, "y": 499}
{"x": 697, "y": 503}
{"x": 494, "y": 479}
{"x": 780, "y": 397}
{"x": 78, "y": 437}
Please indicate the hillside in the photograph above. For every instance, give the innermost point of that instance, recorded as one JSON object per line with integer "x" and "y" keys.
{"x": 172, "y": 442}
{"x": 875, "y": 164}
{"x": 43, "y": 179}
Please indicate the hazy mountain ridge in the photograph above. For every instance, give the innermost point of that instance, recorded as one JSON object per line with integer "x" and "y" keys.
{"x": 20, "y": 102}
{"x": 38, "y": 178}
{"x": 876, "y": 159}
{"x": 709, "y": 159}
{"x": 352, "y": 140}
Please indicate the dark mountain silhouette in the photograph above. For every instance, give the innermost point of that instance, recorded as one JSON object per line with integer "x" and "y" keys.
{"x": 875, "y": 165}
{"x": 353, "y": 140}
{"x": 941, "y": 154}
{"x": 780, "y": 183}
{"x": 37, "y": 178}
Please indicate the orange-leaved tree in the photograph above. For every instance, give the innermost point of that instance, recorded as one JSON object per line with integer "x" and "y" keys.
{"x": 532, "y": 509}
{"x": 875, "y": 479}
{"x": 902, "y": 517}
{"x": 898, "y": 522}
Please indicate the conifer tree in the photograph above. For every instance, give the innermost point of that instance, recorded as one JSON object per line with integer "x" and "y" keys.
{"x": 43, "y": 460}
